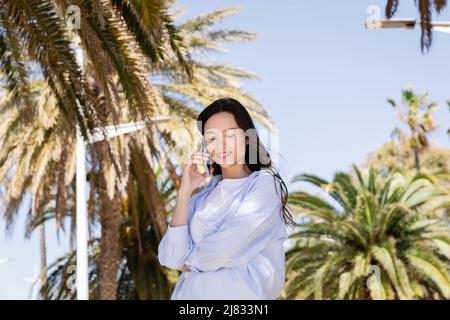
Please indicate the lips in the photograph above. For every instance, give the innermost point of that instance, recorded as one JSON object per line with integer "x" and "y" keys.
{"x": 223, "y": 154}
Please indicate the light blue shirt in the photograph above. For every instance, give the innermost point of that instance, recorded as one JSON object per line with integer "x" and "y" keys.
{"x": 240, "y": 253}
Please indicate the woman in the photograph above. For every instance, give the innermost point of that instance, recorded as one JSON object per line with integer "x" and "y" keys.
{"x": 228, "y": 238}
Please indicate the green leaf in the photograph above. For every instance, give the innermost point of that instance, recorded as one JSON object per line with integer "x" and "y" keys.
{"x": 432, "y": 272}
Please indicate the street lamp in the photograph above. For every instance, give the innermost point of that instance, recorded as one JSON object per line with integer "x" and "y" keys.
{"x": 407, "y": 23}
{"x": 82, "y": 271}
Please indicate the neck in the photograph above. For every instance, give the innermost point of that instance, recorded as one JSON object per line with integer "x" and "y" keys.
{"x": 235, "y": 172}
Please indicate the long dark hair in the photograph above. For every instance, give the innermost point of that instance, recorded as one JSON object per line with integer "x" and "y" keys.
{"x": 254, "y": 147}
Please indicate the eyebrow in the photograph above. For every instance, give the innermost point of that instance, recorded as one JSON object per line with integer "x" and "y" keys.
{"x": 206, "y": 131}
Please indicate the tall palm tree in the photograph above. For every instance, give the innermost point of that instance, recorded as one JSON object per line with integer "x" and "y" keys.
{"x": 426, "y": 8}
{"x": 39, "y": 158}
{"x": 417, "y": 115}
{"x": 369, "y": 237}
{"x": 118, "y": 37}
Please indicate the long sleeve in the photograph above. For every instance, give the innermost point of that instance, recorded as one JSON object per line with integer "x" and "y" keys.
{"x": 176, "y": 242}
{"x": 244, "y": 234}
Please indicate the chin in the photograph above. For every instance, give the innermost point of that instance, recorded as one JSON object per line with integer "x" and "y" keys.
{"x": 227, "y": 165}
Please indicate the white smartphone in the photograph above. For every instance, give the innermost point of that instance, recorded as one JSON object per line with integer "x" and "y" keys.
{"x": 205, "y": 164}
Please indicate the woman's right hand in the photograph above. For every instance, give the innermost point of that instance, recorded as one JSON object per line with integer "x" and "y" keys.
{"x": 191, "y": 177}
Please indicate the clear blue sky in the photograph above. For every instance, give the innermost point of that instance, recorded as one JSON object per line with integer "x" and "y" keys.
{"x": 325, "y": 82}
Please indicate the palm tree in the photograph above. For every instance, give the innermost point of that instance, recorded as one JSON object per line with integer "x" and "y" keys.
{"x": 426, "y": 8}
{"x": 117, "y": 37}
{"x": 418, "y": 117}
{"x": 39, "y": 157}
{"x": 369, "y": 238}
{"x": 211, "y": 79}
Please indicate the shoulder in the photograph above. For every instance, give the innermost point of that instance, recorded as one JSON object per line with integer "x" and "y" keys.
{"x": 266, "y": 182}
{"x": 263, "y": 197}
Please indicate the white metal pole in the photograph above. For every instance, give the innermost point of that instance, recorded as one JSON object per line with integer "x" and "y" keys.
{"x": 82, "y": 272}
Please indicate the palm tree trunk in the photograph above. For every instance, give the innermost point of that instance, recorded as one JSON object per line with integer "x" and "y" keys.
{"x": 147, "y": 181}
{"x": 110, "y": 250}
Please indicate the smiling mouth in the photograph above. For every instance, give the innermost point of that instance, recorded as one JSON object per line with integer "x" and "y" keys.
{"x": 223, "y": 155}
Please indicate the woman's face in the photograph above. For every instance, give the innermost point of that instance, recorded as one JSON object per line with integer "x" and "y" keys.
{"x": 225, "y": 141}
